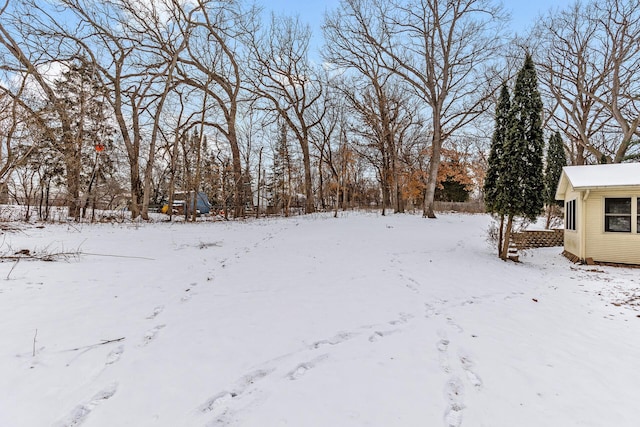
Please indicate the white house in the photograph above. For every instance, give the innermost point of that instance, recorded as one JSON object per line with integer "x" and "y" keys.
{"x": 602, "y": 212}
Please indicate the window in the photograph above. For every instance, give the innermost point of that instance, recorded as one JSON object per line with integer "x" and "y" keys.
{"x": 617, "y": 215}
{"x": 638, "y": 215}
{"x": 570, "y": 212}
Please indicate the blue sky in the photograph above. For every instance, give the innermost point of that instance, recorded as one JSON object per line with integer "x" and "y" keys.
{"x": 312, "y": 11}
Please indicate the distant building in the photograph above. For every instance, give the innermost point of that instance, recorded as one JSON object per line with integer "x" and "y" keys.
{"x": 602, "y": 212}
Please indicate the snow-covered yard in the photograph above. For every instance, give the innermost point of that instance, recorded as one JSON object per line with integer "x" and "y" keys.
{"x": 312, "y": 321}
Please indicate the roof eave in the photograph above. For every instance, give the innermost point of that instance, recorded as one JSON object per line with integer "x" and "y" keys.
{"x": 606, "y": 187}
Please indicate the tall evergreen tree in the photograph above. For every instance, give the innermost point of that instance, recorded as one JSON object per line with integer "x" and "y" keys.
{"x": 279, "y": 185}
{"x": 556, "y": 160}
{"x": 496, "y": 163}
{"x": 521, "y": 186}
{"x": 79, "y": 91}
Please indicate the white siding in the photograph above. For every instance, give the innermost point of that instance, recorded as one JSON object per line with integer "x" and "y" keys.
{"x": 611, "y": 247}
{"x": 572, "y": 237}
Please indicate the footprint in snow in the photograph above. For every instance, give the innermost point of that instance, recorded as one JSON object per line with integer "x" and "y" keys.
{"x": 252, "y": 377}
{"x": 474, "y": 379}
{"x": 403, "y": 318}
{"x": 443, "y": 345}
{"x": 151, "y": 334}
{"x": 410, "y": 282}
{"x": 187, "y": 293}
{"x": 303, "y": 368}
{"x": 514, "y": 295}
{"x": 454, "y": 325}
{"x": 114, "y": 355}
{"x": 468, "y": 367}
{"x": 453, "y": 416}
{"x": 219, "y": 403}
{"x": 157, "y": 310}
{"x": 82, "y": 411}
{"x": 454, "y": 393}
{"x": 443, "y": 357}
{"x": 429, "y": 310}
{"x": 380, "y": 334}
{"x": 337, "y": 339}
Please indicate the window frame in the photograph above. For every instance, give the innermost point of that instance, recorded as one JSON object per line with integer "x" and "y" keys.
{"x": 611, "y": 215}
{"x": 637, "y": 214}
{"x": 570, "y": 215}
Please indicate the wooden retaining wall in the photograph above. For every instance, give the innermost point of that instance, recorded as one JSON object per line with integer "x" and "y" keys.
{"x": 529, "y": 239}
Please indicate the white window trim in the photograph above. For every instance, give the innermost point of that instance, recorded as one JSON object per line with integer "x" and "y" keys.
{"x": 634, "y": 214}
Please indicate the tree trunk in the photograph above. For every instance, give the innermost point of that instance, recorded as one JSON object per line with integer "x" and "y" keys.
{"x": 507, "y": 237}
{"x": 580, "y": 154}
{"x": 434, "y": 164}
{"x": 73, "y": 187}
{"x": 238, "y": 209}
{"x": 258, "y": 183}
{"x": 136, "y": 189}
{"x": 90, "y": 188}
{"x": 396, "y": 182}
{"x": 308, "y": 183}
{"x": 321, "y": 182}
{"x": 198, "y": 177}
{"x": 500, "y": 235}
{"x": 335, "y": 213}
{"x": 132, "y": 145}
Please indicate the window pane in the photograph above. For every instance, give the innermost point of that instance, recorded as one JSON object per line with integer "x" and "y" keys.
{"x": 617, "y": 223}
{"x": 570, "y": 213}
{"x": 617, "y": 206}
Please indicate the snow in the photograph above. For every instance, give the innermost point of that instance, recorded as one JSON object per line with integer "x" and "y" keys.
{"x": 606, "y": 175}
{"x": 362, "y": 320}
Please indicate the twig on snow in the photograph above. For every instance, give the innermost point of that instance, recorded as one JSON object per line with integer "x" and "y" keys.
{"x": 118, "y": 256}
{"x": 103, "y": 342}
{"x": 14, "y": 266}
{"x": 28, "y": 255}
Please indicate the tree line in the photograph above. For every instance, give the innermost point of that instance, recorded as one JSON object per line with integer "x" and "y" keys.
{"x": 130, "y": 102}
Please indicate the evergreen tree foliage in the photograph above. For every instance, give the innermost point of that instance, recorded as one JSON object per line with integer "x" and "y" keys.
{"x": 521, "y": 184}
{"x": 452, "y": 191}
{"x": 279, "y": 185}
{"x": 556, "y": 160}
{"x": 495, "y": 162}
{"x": 85, "y": 166}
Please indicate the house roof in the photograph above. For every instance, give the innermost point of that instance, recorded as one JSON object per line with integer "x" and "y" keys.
{"x": 591, "y": 177}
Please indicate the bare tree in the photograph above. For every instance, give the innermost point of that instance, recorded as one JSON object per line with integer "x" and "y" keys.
{"x": 119, "y": 61}
{"x": 211, "y": 63}
{"x": 30, "y": 56}
{"x": 284, "y": 77}
{"x": 164, "y": 29}
{"x": 577, "y": 72}
{"x": 329, "y": 139}
{"x": 620, "y": 53}
{"x": 444, "y": 49}
{"x": 18, "y": 122}
{"x": 367, "y": 91}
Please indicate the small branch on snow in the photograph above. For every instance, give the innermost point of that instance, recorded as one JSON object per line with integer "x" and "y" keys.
{"x": 26, "y": 254}
{"x": 14, "y": 266}
{"x": 117, "y": 256}
{"x": 103, "y": 342}
{"x": 34, "y": 342}
{"x": 110, "y": 341}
